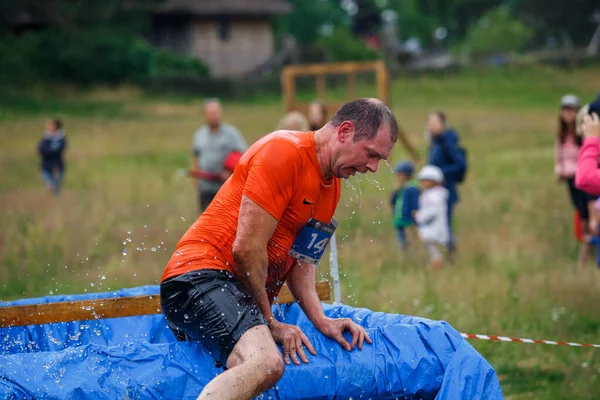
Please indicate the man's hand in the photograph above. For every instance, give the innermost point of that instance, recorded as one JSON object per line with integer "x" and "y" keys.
{"x": 591, "y": 125}
{"x": 335, "y": 327}
{"x": 292, "y": 339}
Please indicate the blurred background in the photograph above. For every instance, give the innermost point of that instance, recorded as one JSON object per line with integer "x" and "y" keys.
{"x": 122, "y": 83}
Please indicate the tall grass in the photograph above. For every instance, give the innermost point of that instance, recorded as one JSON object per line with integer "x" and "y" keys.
{"x": 123, "y": 209}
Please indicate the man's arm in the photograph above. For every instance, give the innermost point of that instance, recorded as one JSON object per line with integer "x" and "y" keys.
{"x": 196, "y": 150}
{"x": 255, "y": 228}
{"x": 302, "y": 281}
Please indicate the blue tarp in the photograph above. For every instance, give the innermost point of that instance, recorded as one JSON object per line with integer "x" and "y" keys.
{"x": 138, "y": 358}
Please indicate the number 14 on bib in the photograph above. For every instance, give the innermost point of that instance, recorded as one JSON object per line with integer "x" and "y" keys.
{"x": 312, "y": 240}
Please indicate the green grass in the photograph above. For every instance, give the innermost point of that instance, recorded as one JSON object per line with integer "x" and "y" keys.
{"x": 516, "y": 272}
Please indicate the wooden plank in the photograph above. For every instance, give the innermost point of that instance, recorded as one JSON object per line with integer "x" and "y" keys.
{"x": 383, "y": 83}
{"x": 82, "y": 310}
{"x": 289, "y": 89}
{"x": 331, "y": 68}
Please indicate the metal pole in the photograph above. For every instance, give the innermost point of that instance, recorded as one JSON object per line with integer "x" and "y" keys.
{"x": 334, "y": 271}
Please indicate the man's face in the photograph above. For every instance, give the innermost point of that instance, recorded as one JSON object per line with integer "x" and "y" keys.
{"x": 212, "y": 114}
{"x": 350, "y": 157}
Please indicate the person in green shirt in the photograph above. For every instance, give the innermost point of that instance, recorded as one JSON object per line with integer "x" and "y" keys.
{"x": 404, "y": 200}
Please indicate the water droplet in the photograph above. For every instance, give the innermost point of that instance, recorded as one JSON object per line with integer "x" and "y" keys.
{"x": 92, "y": 284}
{"x": 135, "y": 274}
{"x": 183, "y": 219}
{"x": 153, "y": 249}
{"x": 125, "y": 251}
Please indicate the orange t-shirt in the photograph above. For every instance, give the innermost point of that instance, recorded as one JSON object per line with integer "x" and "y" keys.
{"x": 281, "y": 173}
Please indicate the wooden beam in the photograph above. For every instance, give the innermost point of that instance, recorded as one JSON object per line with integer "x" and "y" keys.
{"x": 82, "y": 310}
{"x": 289, "y": 89}
{"x": 383, "y": 82}
{"x": 332, "y": 68}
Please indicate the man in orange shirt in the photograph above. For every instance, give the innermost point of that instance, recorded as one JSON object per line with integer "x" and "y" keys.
{"x": 269, "y": 224}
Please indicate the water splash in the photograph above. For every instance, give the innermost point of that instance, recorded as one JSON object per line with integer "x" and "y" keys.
{"x": 389, "y": 166}
{"x": 373, "y": 181}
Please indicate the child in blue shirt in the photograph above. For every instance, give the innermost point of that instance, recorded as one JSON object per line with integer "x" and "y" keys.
{"x": 404, "y": 200}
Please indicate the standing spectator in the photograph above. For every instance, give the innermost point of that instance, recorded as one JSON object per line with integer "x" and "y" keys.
{"x": 432, "y": 214}
{"x": 317, "y": 115}
{"x": 212, "y": 144}
{"x": 568, "y": 144}
{"x": 445, "y": 154}
{"x": 51, "y": 149}
{"x": 404, "y": 201}
{"x": 293, "y": 121}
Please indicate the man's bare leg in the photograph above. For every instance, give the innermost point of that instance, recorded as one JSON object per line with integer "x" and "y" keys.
{"x": 254, "y": 365}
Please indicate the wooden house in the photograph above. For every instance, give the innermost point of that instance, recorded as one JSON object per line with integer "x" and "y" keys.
{"x": 232, "y": 37}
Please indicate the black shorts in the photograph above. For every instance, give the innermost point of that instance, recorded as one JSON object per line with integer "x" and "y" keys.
{"x": 208, "y": 305}
{"x": 580, "y": 199}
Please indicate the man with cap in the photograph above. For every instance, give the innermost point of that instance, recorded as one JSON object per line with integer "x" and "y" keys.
{"x": 432, "y": 217}
{"x": 404, "y": 200}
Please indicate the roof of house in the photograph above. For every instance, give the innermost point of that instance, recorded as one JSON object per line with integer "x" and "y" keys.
{"x": 224, "y": 7}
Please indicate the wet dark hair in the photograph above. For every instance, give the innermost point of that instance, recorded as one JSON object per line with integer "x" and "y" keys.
{"x": 564, "y": 129}
{"x": 368, "y": 117}
{"x": 58, "y": 123}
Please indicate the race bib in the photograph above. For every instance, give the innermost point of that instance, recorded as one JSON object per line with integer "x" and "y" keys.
{"x": 310, "y": 243}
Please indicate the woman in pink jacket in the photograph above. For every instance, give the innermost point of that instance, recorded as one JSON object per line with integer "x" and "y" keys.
{"x": 568, "y": 146}
{"x": 588, "y": 173}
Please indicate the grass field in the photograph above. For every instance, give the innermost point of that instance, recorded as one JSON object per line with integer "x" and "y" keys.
{"x": 516, "y": 273}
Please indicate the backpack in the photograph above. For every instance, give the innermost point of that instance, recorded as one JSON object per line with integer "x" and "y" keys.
{"x": 460, "y": 176}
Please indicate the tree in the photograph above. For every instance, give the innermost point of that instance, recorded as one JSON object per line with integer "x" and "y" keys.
{"x": 367, "y": 20}
{"x": 308, "y": 18}
{"x": 420, "y": 18}
{"x": 560, "y": 18}
{"x": 497, "y": 31}
{"x": 131, "y": 16}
